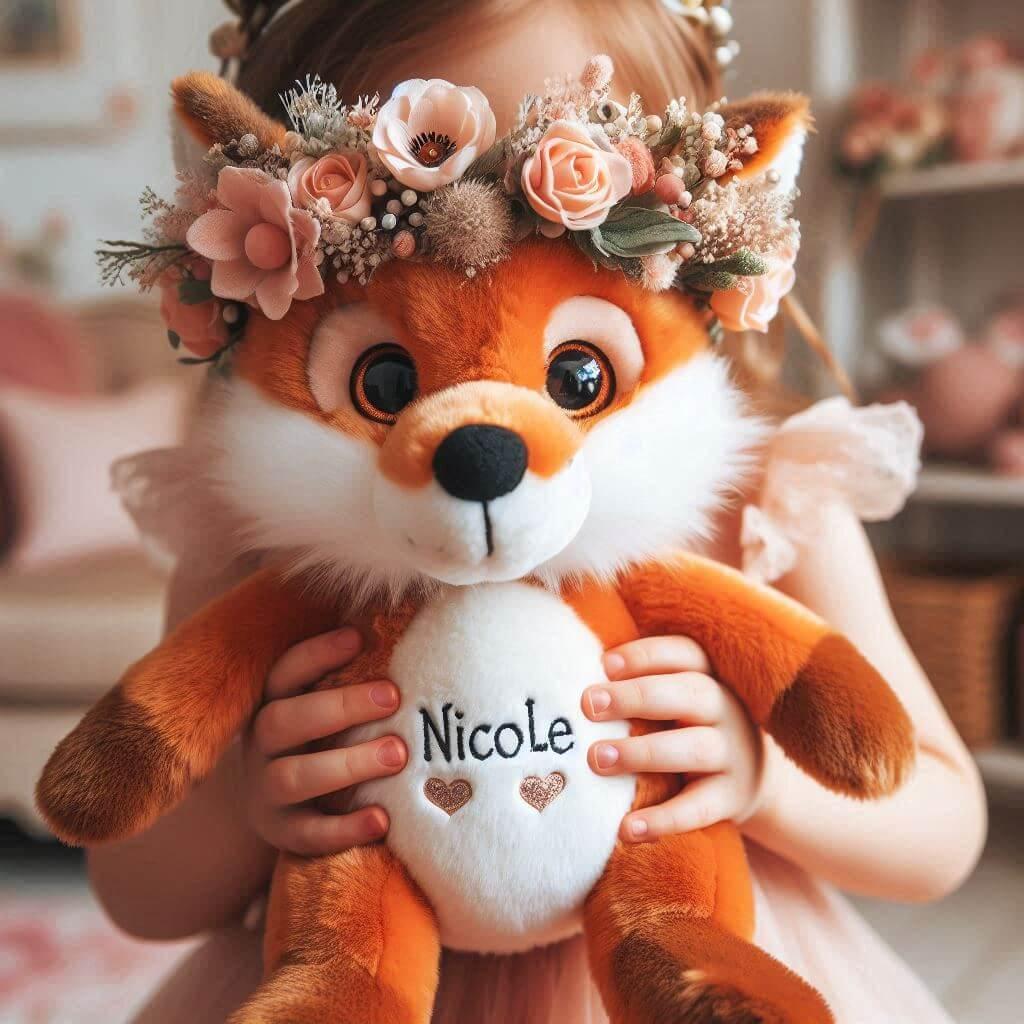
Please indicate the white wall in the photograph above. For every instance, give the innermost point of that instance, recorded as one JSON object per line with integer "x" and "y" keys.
{"x": 140, "y": 45}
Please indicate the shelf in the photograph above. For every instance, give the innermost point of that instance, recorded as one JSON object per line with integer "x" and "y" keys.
{"x": 1002, "y": 766}
{"x": 950, "y": 178}
{"x": 968, "y": 485}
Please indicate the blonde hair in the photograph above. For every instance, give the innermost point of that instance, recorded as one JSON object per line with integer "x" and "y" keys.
{"x": 656, "y": 53}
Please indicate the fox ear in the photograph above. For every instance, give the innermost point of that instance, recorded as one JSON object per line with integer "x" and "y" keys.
{"x": 215, "y": 111}
{"x": 781, "y": 122}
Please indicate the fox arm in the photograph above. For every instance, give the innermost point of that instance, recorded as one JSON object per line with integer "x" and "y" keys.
{"x": 166, "y": 723}
{"x": 809, "y": 687}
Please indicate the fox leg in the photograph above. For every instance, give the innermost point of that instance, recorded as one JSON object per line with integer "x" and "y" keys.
{"x": 668, "y": 929}
{"x": 806, "y": 685}
{"x": 349, "y": 940}
{"x": 165, "y": 724}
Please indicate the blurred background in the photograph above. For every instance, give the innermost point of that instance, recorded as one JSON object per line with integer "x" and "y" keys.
{"x": 912, "y": 208}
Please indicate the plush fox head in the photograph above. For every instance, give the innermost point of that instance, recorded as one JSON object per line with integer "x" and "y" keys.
{"x": 545, "y": 418}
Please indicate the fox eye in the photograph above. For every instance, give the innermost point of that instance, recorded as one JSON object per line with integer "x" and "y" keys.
{"x": 383, "y": 382}
{"x": 580, "y": 379}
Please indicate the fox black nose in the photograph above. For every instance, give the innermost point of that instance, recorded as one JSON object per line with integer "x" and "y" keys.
{"x": 480, "y": 462}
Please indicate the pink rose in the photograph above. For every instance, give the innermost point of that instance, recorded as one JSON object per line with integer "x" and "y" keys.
{"x": 754, "y": 303}
{"x": 263, "y": 249}
{"x": 339, "y": 178}
{"x": 573, "y": 180}
{"x": 199, "y": 325}
{"x": 429, "y": 132}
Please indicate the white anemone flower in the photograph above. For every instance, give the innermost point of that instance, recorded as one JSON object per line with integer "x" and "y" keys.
{"x": 430, "y": 131}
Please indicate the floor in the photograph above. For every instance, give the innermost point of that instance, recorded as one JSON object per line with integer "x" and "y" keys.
{"x": 969, "y": 949}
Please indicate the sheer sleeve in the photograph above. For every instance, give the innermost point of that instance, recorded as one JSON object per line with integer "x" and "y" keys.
{"x": 868, "y": 457}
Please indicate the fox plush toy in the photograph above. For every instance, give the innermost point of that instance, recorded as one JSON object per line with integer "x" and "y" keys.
{"x": 495, "y": 475}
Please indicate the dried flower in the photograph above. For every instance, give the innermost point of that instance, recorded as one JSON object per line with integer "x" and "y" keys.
{"x": 742, "y": 215}
{"x": 641, "y": 161}
{"x": 470, "y": 224}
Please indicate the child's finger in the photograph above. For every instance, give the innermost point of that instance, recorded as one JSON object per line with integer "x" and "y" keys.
{"x": 305, "y": 663}
{"x": 291, "y": 722}
{"x": 699, "y": 749}
{"x": 701, "y": 804}
{"x": 310, "y": 833}
{"x": 655, "y": 655}
{"x": 690, "y": 697}
{"x": 302, "y": 777}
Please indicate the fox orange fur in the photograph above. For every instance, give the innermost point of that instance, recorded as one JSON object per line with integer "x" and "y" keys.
{"x": 488, "y": 600}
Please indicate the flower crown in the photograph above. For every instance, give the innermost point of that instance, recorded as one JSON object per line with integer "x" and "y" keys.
{"x": 271, "y": 215}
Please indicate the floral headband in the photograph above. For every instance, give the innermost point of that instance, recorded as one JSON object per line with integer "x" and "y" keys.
{"x": 271, "y": 215}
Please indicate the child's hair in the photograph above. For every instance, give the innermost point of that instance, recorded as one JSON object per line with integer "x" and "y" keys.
{"x": 356, "y": 45}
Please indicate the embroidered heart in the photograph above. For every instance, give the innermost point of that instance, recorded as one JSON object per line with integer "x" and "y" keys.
{"x": 449, "y": 796}
{"x": 538, "y": 792}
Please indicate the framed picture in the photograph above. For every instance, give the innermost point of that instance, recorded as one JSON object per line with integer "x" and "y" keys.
{"x": 67, "y": 69}
{"x": 37, "y": 32}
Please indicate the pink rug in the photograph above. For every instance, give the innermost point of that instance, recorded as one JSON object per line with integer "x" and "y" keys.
{"x": 62, "y": 962}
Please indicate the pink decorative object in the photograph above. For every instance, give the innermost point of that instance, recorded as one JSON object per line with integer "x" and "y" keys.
{"x": 671, "y": 190}
{"x": 641, "y": 162}
{"x": 199, "y": 325}
{"x": 263, "y": 249}
{"x": 430, "y": 131}
{"x": 338, "y": 179}
{"x": 572, "y": 179}
{"x": 988, "y": 115}
{"x": 40, "y": 347}
{"x": 921, "y": 336}
{"x": 964, "y": 399}
{"x": 754, "y": 303}
{"x": 58, "y": 452}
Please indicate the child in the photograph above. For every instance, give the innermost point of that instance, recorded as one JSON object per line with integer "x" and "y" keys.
{"x": 201, "y": 867}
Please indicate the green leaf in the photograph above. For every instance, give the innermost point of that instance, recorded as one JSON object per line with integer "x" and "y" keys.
{"x": 174, "y": 339}
{"x": 714, "y": 281}
{"x": 585, "y": 242}
{"x": 193, "y": 292}
{"x": 634, "y": 231}
{"x": 742, "y": 263}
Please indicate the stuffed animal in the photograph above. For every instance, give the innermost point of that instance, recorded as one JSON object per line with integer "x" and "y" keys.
{"x": 495, "y": 471}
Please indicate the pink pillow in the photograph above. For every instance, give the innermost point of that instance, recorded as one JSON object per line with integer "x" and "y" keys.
{"x": 41, "y": 347}
{"x": 58, "y": 451}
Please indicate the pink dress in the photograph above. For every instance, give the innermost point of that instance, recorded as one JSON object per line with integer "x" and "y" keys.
{"x": 868, "y": 457}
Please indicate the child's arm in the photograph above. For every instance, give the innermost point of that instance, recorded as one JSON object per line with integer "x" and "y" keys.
{"x": 916, "y": 845}
{"x": 922, "y": 842}
{"x": 200, "y": 866}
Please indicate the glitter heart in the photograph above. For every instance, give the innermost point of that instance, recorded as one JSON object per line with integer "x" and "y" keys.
{"x": 538, "y": 793}
{"x": 449, "y": 796}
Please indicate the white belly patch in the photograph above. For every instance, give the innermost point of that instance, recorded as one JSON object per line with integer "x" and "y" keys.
{"x": 497, "y": 816}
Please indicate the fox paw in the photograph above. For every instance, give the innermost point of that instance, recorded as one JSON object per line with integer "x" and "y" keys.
{"x": 110, "y": 777}
{"x": 658, "y": 986}
{"x": 842, "y": 724}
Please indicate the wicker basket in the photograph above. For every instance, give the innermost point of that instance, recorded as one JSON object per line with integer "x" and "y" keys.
{"x": 960, "y": 626}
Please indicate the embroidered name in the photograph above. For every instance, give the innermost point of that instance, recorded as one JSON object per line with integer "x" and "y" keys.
{"x": 485, "y": 740}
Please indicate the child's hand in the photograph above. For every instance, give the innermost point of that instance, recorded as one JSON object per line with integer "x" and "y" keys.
{"x": 665, "y": 679}
{"x": 283, "y": 779}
